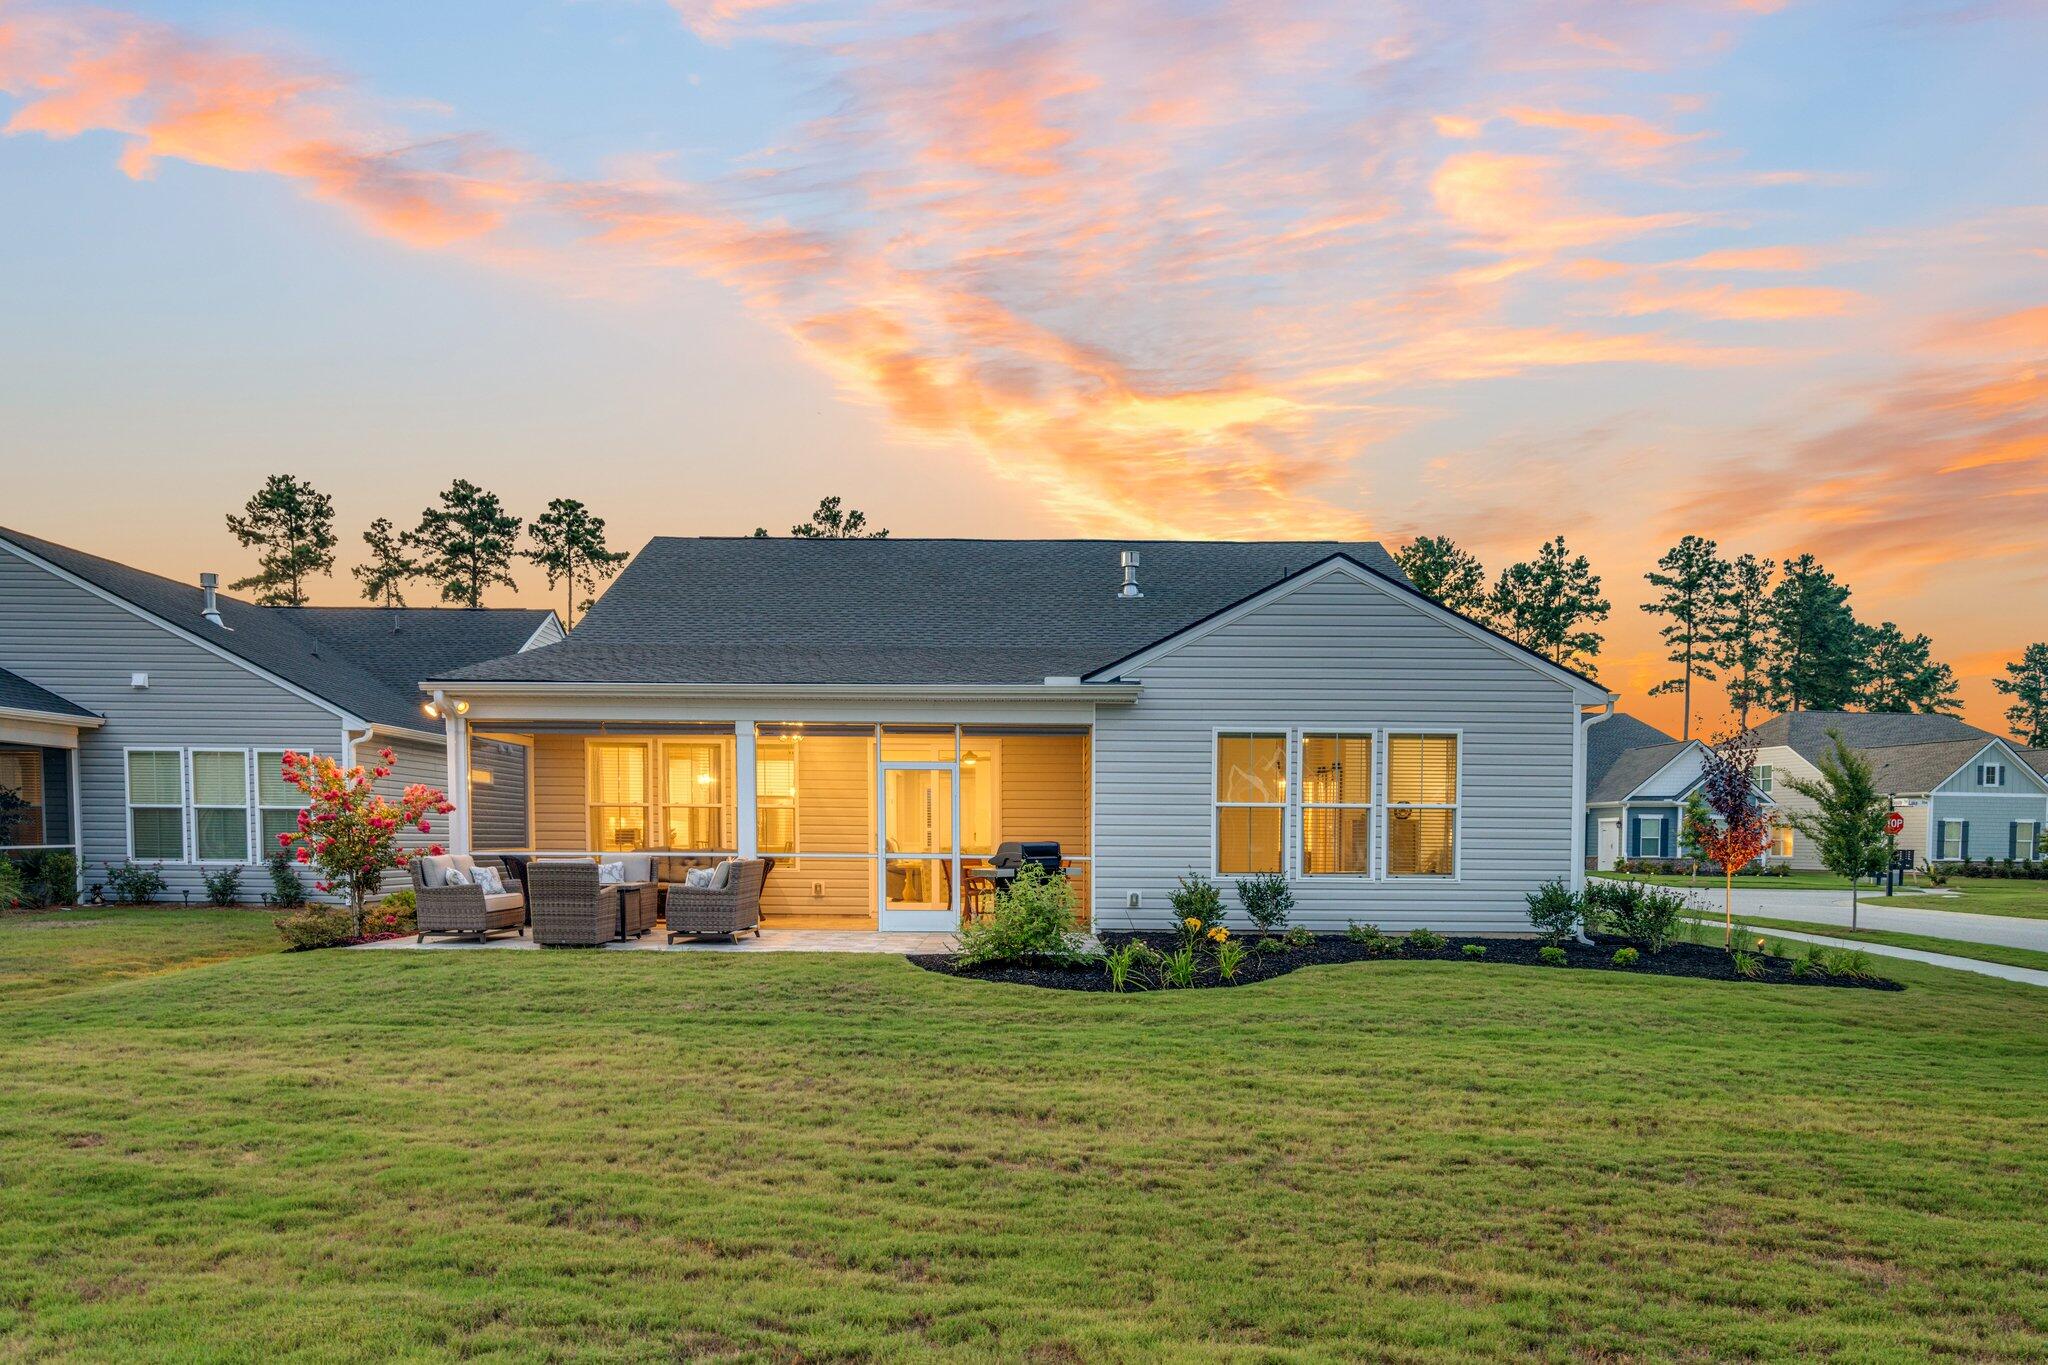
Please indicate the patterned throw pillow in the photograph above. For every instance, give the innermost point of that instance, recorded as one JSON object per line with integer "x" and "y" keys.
{"x": 699, "y": 877}
{"x": 489, "y": 882}
{"x": 455, "y": 876}
{"x": 611, "y": 874}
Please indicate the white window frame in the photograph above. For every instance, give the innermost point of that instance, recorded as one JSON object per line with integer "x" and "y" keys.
{"x": 651, "y": 812}
{"x": 1783, "y": 848}
{"x": 1457, "y": 808}
{"x": 259, "y": 847}
{"x": 2028, "y": 848}
{"x": 1301, "y": 805}
{"x": 1656, "y": 822}
{"x": 248, "y": 806}
{"x": 1765, "y": 776}
{"x": 130, "y": 807}
{"x": 1289, "y": 796}
{"x": 1941, "y": 829}
{"x": 664, "y": 802}
{"x": 1991, "y": 774}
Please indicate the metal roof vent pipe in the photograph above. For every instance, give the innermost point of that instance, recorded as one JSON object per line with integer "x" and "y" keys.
{"x": 1130, "y": 563}
{"x": 209, "y": 583}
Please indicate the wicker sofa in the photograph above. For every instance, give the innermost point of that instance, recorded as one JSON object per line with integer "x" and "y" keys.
{"x": 726, "y": 910}
{"x": 464, "y": 909}
{"x": 572, "y": 907}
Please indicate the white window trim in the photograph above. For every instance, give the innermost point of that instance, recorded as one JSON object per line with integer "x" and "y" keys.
{"x": 129, "y": 807}
{"x": 1289, "y": 741}
{"x": 248, "y": 806}
{"x": 1457, "y": 808}
{"x": 1991, "y": 775}
{"x": 260, "y": 850}
{"x": 1764, "y": 776}
{"x": 1373, "y": 806}
{"x": 658, "y": 785}
{"x": 1656, "y": 822}
{"x": 2028, "y": 848}
{"x": 1941, "y": 829}
{"x": 651, "y": 812}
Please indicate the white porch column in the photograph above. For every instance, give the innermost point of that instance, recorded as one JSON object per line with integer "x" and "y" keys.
{"x": 745, "y": 811}
{"x": 77, "y": 825}
{"x": 457, "y": 731}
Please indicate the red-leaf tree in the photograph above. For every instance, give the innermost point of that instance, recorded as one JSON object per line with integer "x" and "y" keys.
{"x": 1741, "y": 829}
{"x": 349, "y": 831}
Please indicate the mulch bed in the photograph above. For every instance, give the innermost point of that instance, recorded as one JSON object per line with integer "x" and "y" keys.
{"x": 1678, "y": 959}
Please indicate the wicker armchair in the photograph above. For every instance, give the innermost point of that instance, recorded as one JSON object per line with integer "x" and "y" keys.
{"x": 465, "y": 910}
{"x": 727, "y": 911}
{"x": 570, "y": 907}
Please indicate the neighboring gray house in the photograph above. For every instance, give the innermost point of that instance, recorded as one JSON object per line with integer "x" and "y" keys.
{"x": 1963, "y": 792}
{"x": 880, "y": 717}
{"x": 144, "y": 718}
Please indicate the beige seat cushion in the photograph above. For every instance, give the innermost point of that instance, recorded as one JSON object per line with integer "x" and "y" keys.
{"x": 509, "y": 900}
{"x": 434, "y": 870}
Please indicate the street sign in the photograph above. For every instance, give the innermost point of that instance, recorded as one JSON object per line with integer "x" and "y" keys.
{"x": 1895, "y": 824}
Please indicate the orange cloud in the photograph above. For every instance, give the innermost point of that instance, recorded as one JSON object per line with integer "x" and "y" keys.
{"x": 1512, "y": 204}
{"x": 1785, "y": 302}
{"x": 1621, "y": 139}
{"x": 1754, "y": 258}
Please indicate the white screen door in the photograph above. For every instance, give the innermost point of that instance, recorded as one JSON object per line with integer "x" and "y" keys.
{"x": 920, "y": 846}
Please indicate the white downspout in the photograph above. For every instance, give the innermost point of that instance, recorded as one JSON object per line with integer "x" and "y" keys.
{"x": 77, "y": 824}
{"x": 1581, "y": 724}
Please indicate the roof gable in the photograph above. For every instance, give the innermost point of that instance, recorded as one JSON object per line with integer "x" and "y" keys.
{"x": 324, "y": 653}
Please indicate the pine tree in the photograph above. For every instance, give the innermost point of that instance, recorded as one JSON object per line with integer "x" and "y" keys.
{"x": 1545, "y": 604}
{"x": 293, "y": 523}
{"x": 829, "y": 523}
{"x": 1816, "y": 660}
{"x": 1742, "y": 644}
{"x": 1694, "y": 583}
{"x": 1446, "y": 574}
{"x": 569, "y": 545}
{"x": 389, "y": 569}
{"x": 1846, "y": 823}
{"x": 466, "y": 544}
{"x": 2026, "y": 682}
{"x": 1901, "y": 675}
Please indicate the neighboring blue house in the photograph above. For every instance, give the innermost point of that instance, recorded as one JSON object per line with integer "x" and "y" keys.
{"x": 1637, "y": 779}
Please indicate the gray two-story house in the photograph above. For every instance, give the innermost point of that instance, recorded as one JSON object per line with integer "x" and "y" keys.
{"x": 144, "y": 720}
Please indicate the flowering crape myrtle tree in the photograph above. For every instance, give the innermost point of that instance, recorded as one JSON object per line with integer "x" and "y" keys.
{"x": 348, "y": 831}
{"x": 1740, "y": 830}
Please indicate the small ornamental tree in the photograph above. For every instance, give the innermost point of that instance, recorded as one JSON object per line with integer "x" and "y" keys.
{"x": 349, "y": 831}
{"x": 1740, "y": 830}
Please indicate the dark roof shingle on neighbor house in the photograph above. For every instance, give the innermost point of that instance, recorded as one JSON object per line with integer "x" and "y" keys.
{"x": 347, "y": 656}
{"x": 770, "y": 611}
{"x": 1621, "y": 754}
{"x": 1917, "y": 769}
{"x": 19, "y": 694}
{"x": 1806, "y": 732}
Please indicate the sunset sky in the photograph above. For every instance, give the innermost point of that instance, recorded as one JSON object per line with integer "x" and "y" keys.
{"x": 1767, "y": 271}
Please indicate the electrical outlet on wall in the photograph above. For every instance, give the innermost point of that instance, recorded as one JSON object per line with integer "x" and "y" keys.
{"x": 817, "y": 891}
{"x": 1132, "y": 901}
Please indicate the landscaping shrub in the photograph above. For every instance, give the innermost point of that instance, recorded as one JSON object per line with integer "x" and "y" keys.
{"x": 1298, "y": 937}
{"x": 1267, "y": 899}
{"x": 1555, "y": 909}
{"x": 44, "y": 877}
{"x": 1552, "y": 955}
{"x": 1123, "y": 963}
{"x": 316, "y": 926}
{"x": 287, "y": 887}
{"x": 1264, "y": 946}
{"x": 1033, "y": 921}
{"x": 1177, "y": 968}
{"x": 224, "y": 887}
{"x": 11, "y": 893}
{"x": 1748, "y": 965}
{"x": 1369, "y": 937}
{"x": 133, "y": 884}
{"x": 1197, "y": 906}
{"x": 1424, "y": 940}
{"x": 397, "y": 913}
{"x": 1474, "y": 950}
{"x": 1229, "y": 958}
{"x": 1626, "y": 957}
{"x": 1645, "y": 915}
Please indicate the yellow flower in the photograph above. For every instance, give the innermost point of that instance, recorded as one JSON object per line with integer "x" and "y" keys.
{"x": 1191, "y": 922}
{"x": 1219, "y": 933}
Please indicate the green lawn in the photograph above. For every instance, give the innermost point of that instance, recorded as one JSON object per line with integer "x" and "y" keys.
{"x": 1982, "y": 952}
{"x": 1987, "y": 896}
{"x": 49, "y": 952}
{"x": 400, "y": 1155}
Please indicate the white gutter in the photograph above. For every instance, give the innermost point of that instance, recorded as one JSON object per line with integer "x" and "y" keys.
{"x": 1061, "y": 691}
{"x": 1580, "y": 727}
{"x": 52, "y": 718}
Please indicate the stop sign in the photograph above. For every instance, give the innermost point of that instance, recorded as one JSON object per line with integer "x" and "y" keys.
{"x": 1895, "y": 824}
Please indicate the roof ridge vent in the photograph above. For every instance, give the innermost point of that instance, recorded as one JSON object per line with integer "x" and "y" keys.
{"x": 1129, "y": 560}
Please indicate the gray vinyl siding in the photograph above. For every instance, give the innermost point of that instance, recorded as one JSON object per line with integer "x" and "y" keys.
{"x": 1342, "y": 654}
{"x": 82, "y": 647}
{"x": 497, "y": 808}
{"x": 1989, "y": 819}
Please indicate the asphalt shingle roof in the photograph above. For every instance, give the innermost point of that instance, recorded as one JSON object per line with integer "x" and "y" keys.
{"x": 965, "y": 612}
{"x": 1622, "y": 737}
{"x": 336, "y": 653}
{"x": 1806, "y": 732}
{"x": 19, "y": 694}
{"x": 1916, "y": 769}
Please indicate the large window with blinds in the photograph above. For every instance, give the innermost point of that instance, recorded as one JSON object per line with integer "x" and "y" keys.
{"x": 220, "y": 805}
{"x": 1422, "y": 805}
{"x": 22, "y": 823}
{"x": 696, "y": 795}
{"x": 620, "y": 807}
{"x": 156, "y": 804}
{"x": 1251, "y": 802}
{"x": 1336, "y": 805}
{"x": 278, "y": 802}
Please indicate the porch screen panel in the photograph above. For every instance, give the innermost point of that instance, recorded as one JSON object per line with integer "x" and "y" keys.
{"x": 21, "y": 797}
{"x": 1043, "y": 790}
{"x": 618, "y": 797}
{"x": 815, "y": 789}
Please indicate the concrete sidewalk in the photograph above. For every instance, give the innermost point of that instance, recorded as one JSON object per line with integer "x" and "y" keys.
{"x": 2026, "y": 976}
{"x": 1832, "y": 908}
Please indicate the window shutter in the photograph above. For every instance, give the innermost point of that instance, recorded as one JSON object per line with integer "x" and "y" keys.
{"x": 2012, "y": 839}
{"x": 1966, "y": 839}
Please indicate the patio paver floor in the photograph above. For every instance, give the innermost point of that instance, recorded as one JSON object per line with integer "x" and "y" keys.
{"x": 769, "y": 941}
